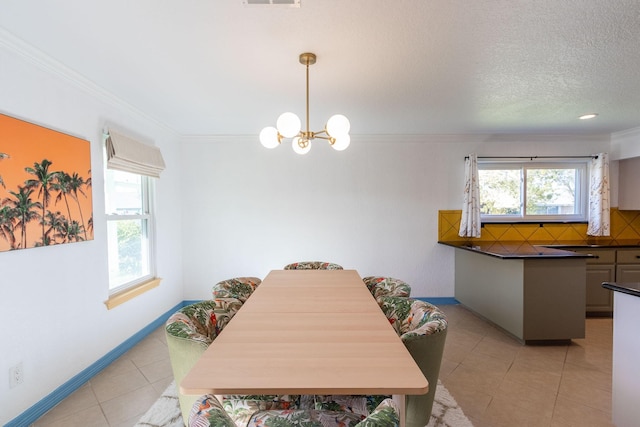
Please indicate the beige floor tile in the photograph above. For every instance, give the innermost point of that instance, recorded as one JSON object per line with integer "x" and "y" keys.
{"x": 147, "y": 351}
{"x": 580, "y": 389}
{"x": 88, "y": 417}
{"x": 595, "y": 377}
{"x": 472, "y": 401}
{"x": 568, "y": 413}
{"x": 130, "y": 405}
{"x": 161, "y": 385}
{"x": 107, "y": 387}
{"x": 158, "y": 370}
{"x": 77, "y": 401}
{"x": 479, "y": 372}
{"x": 531, "y": 400}
{"x": 504, "y": 412}
{"x": 590, "y": 357}
{"x": 535, "y": 374}
{"x": 499, "y": 346}
{"x": 555, "y": 353}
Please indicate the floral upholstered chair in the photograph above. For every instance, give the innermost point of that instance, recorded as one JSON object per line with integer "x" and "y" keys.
{"x": 189, "y": 333}
{"x": 381, "y": 286}
{"x": 313, "y": 265}
{"x": 423, "y": 330}
{"x": 209, "y": 412}
{"x": 239, "y": 287}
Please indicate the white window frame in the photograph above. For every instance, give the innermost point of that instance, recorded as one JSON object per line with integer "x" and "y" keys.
{"x": 147, "y": 196}
{"x": 581, "y": 190}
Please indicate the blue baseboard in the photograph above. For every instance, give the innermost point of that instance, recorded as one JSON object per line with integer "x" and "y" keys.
{"x": 32, "y": 414}
{"x": 440, "y": 300}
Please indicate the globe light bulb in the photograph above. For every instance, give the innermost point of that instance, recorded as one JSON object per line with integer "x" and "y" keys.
{"x": 288, "y": 125}
{"x": 300, "y": 145}
{"x": 269, "y": 137}
{"x": 338, "y": 125}
{"x": 341, "y": 143}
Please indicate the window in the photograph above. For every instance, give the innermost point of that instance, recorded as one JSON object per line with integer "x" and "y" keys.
{"x": 129, "y": 229}
{"x": 533, "y": 191}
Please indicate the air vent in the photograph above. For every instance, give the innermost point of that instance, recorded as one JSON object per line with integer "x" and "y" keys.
{"x": 276, "y": 3}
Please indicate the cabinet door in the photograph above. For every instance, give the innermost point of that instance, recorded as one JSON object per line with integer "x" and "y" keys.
{"x": 599, "y": 299}
{"x": 628, "y": 273}
{"x": 628, "y": 180}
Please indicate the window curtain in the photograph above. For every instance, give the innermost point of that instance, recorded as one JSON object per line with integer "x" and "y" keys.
{"x": 599, "y": 215}
{"x": 128, "y": 155}
{"x": 470, "y": 222}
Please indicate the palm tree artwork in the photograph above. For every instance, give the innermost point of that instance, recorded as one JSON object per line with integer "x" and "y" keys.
{"x": 44, "y": 200}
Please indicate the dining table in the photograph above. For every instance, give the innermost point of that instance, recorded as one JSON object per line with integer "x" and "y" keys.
{"x": 317, "y": 332}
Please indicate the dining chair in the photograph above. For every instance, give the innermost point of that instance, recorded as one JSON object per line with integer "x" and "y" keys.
{"x": 422, "y": 327}
{"x": 207, "y": 411}
{"x": 381, "y": 286}
{"x": 313, "y": 265}
{"x": 238, "y": 287}
{"x": 189, "y": 333}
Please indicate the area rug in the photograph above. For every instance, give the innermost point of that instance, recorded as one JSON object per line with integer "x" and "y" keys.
{"x": 165, "y": 412}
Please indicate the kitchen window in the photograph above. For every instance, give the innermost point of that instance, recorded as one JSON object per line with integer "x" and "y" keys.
{"x": 533, "y": 191}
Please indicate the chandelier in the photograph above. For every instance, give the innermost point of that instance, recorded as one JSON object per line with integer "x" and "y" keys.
{"x": 288, "y": 125}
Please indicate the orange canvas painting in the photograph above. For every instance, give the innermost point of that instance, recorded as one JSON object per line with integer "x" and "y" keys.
{"x": 45, "y": 186}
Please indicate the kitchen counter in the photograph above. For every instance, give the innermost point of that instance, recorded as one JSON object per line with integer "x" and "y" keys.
{"x": 625, "y": 288}
{"x": 516, "y": 250}
{"x": 534, "y": 292}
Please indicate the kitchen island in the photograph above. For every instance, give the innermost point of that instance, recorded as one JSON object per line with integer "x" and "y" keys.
{"x": 626, "y": 353}
{"x": 535, "y": 293}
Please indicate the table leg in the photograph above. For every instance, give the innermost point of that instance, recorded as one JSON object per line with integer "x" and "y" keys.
{"x": 400, "y": 400}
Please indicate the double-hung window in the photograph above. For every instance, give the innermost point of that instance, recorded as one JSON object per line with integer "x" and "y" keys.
{"x": 131, "y": 170}
{"x": 129, "y": 229}
{"x": 533, "y": 191}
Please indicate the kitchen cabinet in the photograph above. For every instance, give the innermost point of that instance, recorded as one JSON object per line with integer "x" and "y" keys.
{"x": 628, "y": 266}
{"x": 600, "y": 268}
{"x": 628, "y": 181}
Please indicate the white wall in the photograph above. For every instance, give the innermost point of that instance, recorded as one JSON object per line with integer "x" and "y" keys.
{"x": 51, "y": 299}
{"x": 373, "y": 207}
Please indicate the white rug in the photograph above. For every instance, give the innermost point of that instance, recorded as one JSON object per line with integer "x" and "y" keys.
{"x": 165, "y": 412}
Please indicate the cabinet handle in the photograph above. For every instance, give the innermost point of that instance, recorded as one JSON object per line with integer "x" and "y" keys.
{"x": 598, "y": 256}
{"x": 638, "y": 256}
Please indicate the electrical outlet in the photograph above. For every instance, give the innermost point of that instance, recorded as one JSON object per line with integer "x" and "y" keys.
{"x": 16, "y": 375}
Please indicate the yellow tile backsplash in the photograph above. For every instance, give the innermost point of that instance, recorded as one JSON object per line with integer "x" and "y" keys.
{"x": 625, "y": 226}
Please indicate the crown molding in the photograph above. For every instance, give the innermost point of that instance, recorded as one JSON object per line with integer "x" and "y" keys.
{"x": 52, "y": 66}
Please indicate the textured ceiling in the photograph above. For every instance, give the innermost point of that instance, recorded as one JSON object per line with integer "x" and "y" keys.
{"x": 216, "y": 67}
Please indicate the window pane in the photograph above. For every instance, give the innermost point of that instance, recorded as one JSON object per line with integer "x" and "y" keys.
{"x": 128, "y": 251}
{"x": 551, "y": 191}
{"x": 123, "y": 193}
{"x": 499, "y": 191}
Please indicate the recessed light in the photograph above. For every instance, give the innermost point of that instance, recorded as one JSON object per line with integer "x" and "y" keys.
{"x": 588, "y": 116}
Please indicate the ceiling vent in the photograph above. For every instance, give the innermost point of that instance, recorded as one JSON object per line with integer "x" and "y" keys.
{"x": 277, "y": 3}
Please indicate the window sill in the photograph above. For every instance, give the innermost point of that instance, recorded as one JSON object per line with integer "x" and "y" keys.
{"x": 128, "y": 294}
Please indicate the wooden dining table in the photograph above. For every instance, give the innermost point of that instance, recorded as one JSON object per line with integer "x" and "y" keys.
{"x": 308, "y": 332}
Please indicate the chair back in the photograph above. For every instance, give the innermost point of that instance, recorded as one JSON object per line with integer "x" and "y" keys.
{"x": 238, "y": 287}
{"x": 381, "y": 286}
{"x": 313, "y": 265}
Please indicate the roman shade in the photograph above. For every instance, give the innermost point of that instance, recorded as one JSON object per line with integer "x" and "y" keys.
{"x": 128, "y": 155}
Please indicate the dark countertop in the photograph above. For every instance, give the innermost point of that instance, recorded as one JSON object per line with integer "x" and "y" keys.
{"x": 515, "y": 250}
{"x": 614, "y": 244}
{"x": 625, "y": 288}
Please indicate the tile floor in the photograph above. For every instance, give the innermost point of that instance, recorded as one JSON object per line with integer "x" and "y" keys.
{"x": 497, "y": 381}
